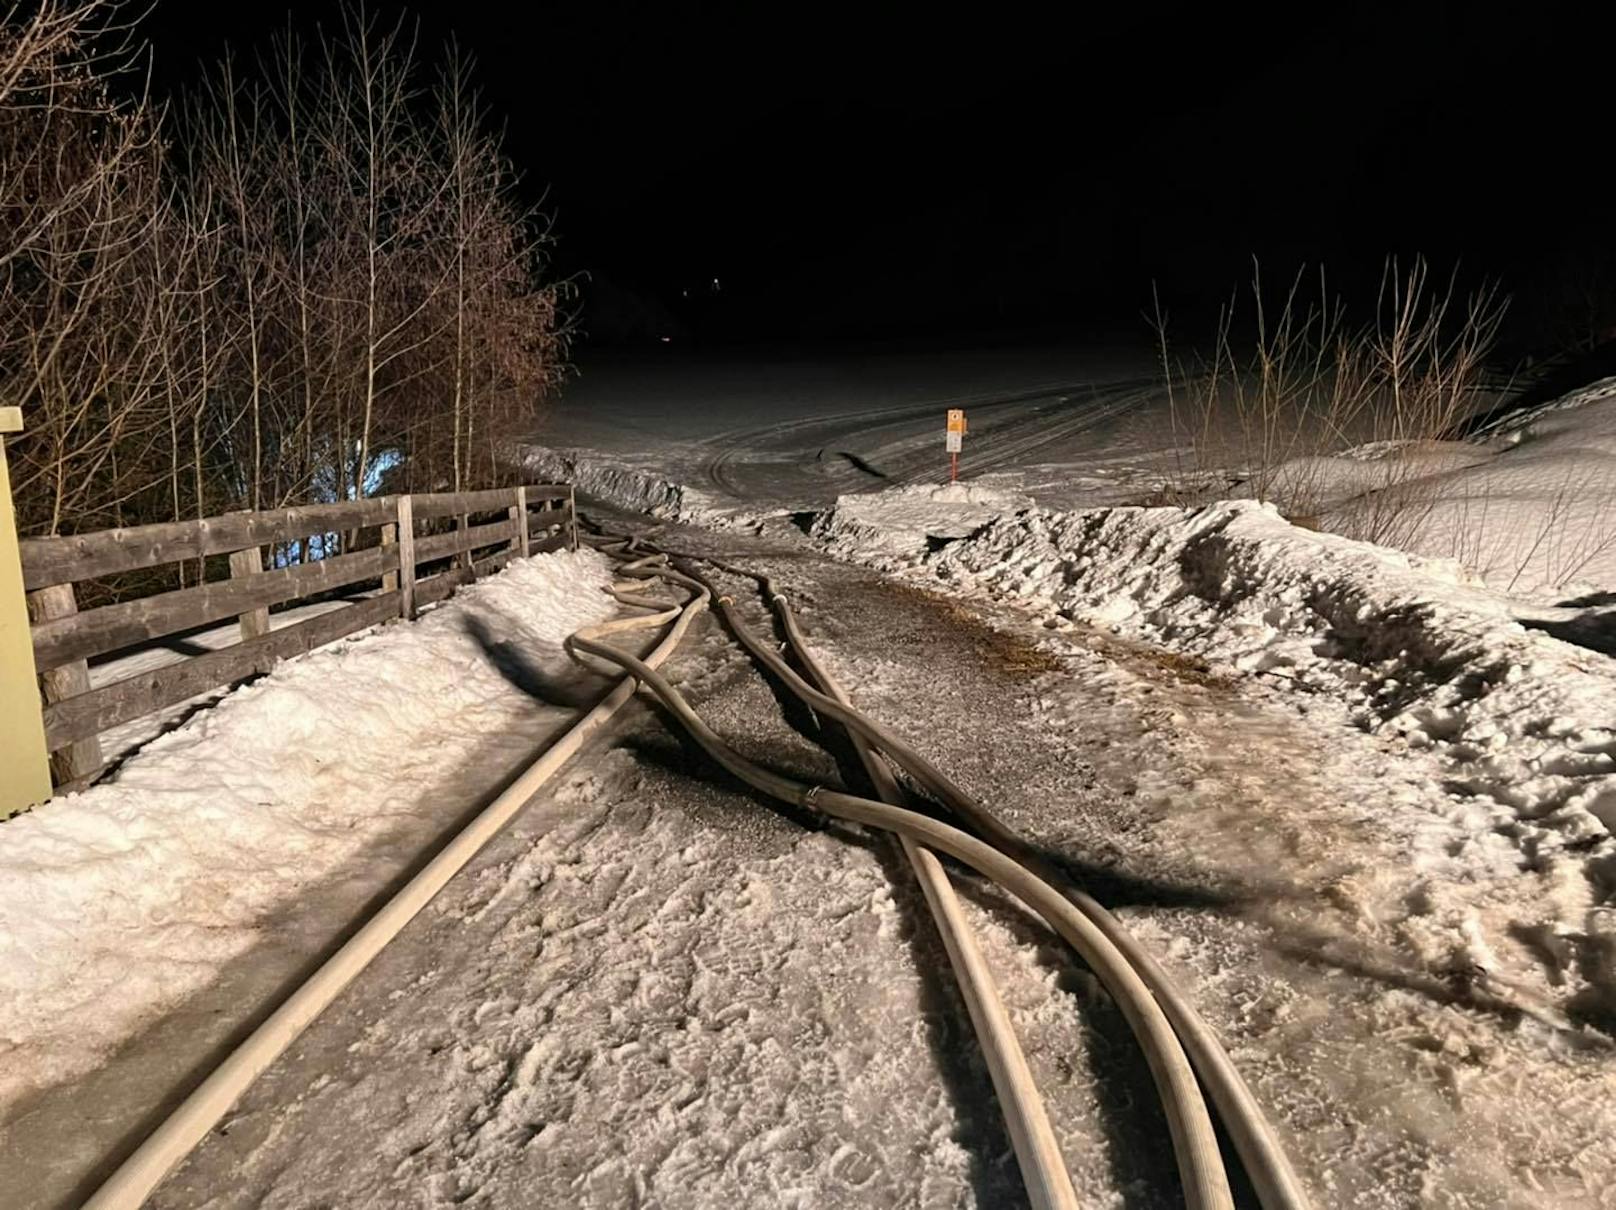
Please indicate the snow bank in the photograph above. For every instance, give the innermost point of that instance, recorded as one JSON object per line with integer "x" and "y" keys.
{"x": 1322, "y": 482}
{"x": 907, "y": 519}
{"x": 1539, "y": 518}
{"x": 1521, "y": 723}
{"x": 1532, "y": 509}
{"x": 117, "y": 903}
{"x": 602, "y": 477}
{"x": 616, "y": 482}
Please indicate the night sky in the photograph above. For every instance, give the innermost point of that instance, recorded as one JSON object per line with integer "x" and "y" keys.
{"x": 854, "y": 176}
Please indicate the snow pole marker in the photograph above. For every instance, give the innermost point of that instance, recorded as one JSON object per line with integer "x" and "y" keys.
{"x": 954, "y": 439}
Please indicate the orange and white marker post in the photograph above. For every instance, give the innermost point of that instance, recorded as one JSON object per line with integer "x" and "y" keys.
{"x": 954, "y": 440}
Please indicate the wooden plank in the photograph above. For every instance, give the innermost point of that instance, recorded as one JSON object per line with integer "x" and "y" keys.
{"x": 546, "y": 522}
{"x": 81, "y": 758}
{"x": 441, "y": 546}
{"x": 69, "y": 722}
{"x": 493, "y": 563}
{"x": 106, "y": 552}
{"x": 519, "y": 522}
{"x": 572, "y": 519}
{"x": 406, "y": 557}
{"x": 122, "y": 625}
{"x": 244, "y": 563}
{"x": 434, "y": 588}
{"x": 453, "y": 504}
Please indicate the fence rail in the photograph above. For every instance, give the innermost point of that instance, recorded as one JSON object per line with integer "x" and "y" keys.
{"x": 372, "y": 560}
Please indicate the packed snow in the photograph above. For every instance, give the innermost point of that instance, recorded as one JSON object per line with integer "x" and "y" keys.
{"x": 118, "y": 902}
{"x": 655, "y": 987}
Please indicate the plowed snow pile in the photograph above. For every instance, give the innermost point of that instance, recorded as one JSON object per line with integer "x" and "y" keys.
{"x": 1530, "y": 504}
{"x": 918, "y": 517}
{"x": 607, "y": 478}
{"x": 1519, "y": 723}
{"x": 117, "y": 903}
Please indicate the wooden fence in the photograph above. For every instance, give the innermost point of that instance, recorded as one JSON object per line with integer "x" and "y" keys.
{"x": 381, "y": 558}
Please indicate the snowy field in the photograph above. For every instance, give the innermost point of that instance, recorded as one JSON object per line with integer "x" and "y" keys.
{"x": 1070, "y": 426}
{"x": 1528, "y": 505}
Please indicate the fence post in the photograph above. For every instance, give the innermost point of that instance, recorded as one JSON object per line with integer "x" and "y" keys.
{"x": 519, "y": 516}
{"x": 406, "y": 557}
{"x": 390, "y": 538}
{"x": 25, "y": 773}
{"x": 572, "y": 516}
{"x": 82, "y": 759}
{"x": 463, "y": 523}
{"x": 249, "y": 562}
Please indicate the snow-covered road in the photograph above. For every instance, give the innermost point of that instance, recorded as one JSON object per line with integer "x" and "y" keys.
{"x": 658, "y": 990}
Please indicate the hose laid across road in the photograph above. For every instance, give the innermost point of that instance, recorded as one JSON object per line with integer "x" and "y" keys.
{"x": 1177, "y": 1043}
{"x": 1195, "y": 1143}
{"x": 1043, "y": 1168}
{"x": 1261, "y": 1152}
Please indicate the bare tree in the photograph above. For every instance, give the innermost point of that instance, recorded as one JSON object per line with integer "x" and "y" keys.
{"x": 315, "y": 277}
{"x": 79, "y": 198}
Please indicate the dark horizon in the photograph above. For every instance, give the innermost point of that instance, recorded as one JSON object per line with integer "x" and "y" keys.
{"x": 848, "y": 177}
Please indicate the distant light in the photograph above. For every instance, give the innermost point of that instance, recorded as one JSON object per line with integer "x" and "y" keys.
{"x": 667, "y": 340}
{"x": 716, "y": 286}
{"x": 684, "y": 293}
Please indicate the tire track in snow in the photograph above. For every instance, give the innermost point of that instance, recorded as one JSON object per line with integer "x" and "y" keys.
{"x": 843, "y": 427}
